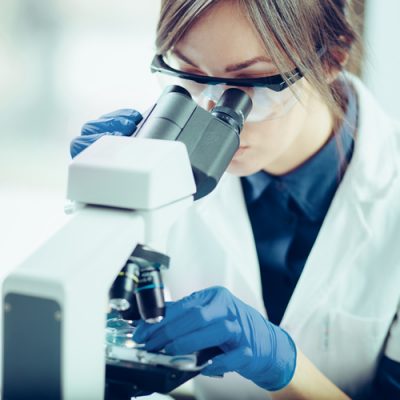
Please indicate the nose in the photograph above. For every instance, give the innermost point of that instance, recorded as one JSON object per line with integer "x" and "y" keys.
{"x": 210, "y": 105}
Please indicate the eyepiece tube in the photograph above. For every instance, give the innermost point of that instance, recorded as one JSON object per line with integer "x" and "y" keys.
{"x": 177, "y": 89}
{"x": 233, "y": 107}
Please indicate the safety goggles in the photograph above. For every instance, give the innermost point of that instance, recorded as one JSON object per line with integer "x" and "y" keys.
{"x": 268, "y": 94}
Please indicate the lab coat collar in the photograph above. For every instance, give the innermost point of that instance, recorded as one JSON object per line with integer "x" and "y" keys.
{"x": 373, "y": 169}
{"x": 374, "y": 164}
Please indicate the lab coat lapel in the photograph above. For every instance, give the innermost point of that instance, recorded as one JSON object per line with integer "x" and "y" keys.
{"x": 225, "y": 212}
{"x": 346, "y": 230}
{"x": 343, "y": 236}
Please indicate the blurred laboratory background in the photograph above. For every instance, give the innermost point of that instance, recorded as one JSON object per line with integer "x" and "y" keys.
{"x": 65, "y": 62}
{"x": 61, "y": 63}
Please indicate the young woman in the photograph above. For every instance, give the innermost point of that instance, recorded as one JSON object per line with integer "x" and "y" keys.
{"x": 303, "y": 230}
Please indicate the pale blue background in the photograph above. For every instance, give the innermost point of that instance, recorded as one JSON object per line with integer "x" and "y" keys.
{"x": 64, "y": 62}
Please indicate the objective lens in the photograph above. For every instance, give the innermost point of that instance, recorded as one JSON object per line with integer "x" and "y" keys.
{"x": 119, "y": 304}
{"x": 150, "y": 295}
{"x": 122, "y": 295}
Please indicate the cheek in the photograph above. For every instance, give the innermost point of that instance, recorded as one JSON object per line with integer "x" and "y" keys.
{"x": 274, "y": 135}
{"x": 277, "y": 133}
{"x": 264, "y": 136}
{"x": 266, "y": 142}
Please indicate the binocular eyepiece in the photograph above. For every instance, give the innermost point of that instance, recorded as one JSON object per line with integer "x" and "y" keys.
{"x": 233, "y": 107}
{"x": 211, "y": 137}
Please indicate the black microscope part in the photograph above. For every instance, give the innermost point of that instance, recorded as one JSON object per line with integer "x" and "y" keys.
{"x": 150, "y": 294}
{"x": 140, "y": 284}
{"x": 126, "y": 379}
{"x": 176, "y": 89}
{"x": 211, "y": 138}
{"x": 233, "y": 108}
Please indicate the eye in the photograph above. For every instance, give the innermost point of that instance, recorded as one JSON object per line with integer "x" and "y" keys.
{"x": 189, "y": 70}
{"x": 256, "y": 75}
{"x": 180, "y": 65}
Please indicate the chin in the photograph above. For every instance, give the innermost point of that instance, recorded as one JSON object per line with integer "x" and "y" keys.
{"x": 240, "y": 169}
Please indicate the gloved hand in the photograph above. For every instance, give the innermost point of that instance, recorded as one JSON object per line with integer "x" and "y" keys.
{"x": 118, "y": 123}
{"x": 251, "y": 345}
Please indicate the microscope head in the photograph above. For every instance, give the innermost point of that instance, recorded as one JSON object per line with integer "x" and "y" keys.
{"x": 211, "y": 137}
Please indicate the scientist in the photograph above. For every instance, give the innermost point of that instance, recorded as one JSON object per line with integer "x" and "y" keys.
{"x": 294, "y": 259}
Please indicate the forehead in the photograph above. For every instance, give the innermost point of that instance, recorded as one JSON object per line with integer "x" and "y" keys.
{"x": 223, "y": 35}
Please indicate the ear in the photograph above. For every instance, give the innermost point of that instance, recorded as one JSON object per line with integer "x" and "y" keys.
{"x": 340, "y": 56}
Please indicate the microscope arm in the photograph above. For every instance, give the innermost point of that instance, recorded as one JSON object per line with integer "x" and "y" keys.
{"x": 55, "y": 302}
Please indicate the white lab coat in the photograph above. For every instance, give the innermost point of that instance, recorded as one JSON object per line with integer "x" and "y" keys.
{"x": 341, "y": 314}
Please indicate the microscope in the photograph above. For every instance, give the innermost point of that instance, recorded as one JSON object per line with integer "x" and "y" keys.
{"x": 69, "y": 310}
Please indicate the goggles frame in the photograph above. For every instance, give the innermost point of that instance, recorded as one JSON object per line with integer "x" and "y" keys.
{"x": 277, "y": 83}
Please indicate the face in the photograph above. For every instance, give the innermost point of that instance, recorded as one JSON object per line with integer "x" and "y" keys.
{"x": 223, "y": 43}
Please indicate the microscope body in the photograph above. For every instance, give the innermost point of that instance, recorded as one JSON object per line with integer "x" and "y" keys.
{"x": 128, "y": 192}
{"x": 56, "y": 301}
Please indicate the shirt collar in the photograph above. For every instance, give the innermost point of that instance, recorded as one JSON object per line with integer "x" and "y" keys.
{"x": 313, "y": 184}
{"x": 256, "y": 185}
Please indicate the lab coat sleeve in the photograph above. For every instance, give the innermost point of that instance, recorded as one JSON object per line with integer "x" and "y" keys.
{"x": 392, "y": 349}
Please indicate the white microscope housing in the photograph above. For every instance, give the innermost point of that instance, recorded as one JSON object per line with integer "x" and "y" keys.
{"x": 127, "y": 191}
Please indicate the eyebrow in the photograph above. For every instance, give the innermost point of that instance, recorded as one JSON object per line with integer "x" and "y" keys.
{"x": 229, "y": 68}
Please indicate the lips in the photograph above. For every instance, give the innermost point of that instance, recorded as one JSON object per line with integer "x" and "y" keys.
{"x": 240, "y": 151}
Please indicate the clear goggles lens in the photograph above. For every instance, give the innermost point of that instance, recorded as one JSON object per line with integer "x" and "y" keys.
{"x": 267, "y": 104}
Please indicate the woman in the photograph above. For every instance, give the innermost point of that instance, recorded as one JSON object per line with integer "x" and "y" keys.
{"x": 306, "y": 237}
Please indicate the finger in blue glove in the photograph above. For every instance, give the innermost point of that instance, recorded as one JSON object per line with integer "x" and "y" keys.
{"x": 117, "y": 123}
{"x": 251, "y": 345}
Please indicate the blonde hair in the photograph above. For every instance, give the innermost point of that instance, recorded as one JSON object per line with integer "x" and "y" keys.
{"x": 314, "y": 35}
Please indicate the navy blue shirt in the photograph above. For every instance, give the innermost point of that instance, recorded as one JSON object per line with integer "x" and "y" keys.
{"x": 286, "y": 213}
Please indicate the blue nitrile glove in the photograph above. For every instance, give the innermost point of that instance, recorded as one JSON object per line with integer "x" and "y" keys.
{"x": 251, "y": 345}
{"x": 118, "y": 123}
